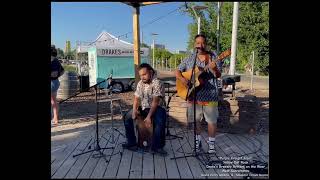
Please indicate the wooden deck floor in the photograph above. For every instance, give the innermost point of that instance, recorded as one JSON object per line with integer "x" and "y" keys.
{"x": 129, "y": 164}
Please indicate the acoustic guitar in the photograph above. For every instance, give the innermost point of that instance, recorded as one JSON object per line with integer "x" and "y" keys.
{"x": 201, "y": 77}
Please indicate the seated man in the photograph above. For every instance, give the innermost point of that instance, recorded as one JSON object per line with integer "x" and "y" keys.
{"x": 150, "y": 93}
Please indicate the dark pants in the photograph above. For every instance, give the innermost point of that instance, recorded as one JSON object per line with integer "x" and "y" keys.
{"x": 159, "y": 122}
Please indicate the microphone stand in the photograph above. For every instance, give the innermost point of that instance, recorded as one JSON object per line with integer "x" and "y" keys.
{"x": 109, "y": 94}
{"x": 97, "y": 145}
{"x": 167, "y": 110}
{"x": 194, "y": 153}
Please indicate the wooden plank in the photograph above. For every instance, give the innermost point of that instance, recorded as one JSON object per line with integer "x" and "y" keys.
{"x": 219, "y": 154}
{"x": 234, "y": 149}
{"x": 250, "y": 144}
{"x": 113, "y": 166}
{"x": 182, "y": 163}
{"x": 92, "y": 162}
{"x": 148, "y": 166}
{"x": 263, "y": 150}
{"x": 177, "y": 109}
{"x": 228, "y": 149}
{"x": 244, "y": 149}
{"x": 159, "y": 167}
{"x": 136, "y": 165}
{"x": 62, "y": 156}
{"x": 171, "y": 166}
{"x": 80, "y": 163}
{"x": 178, "y": 114}
{"x": 211, "y": 173}
{"x": 101, "y": 167}
{"x": 68, "y": 163}
{"x": 55, "y": 151}
{"x": 193, "y": 162}
{"x": 265, "y": 143}
{"x": 207, "y": 173}
{"x": 125, "y": 163}
{"x": 238, "y": 152}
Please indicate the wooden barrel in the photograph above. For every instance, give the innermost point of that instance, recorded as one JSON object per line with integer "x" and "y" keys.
{"x": 69, "y": 85}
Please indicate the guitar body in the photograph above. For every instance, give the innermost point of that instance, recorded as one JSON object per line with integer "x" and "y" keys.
{"x": 182, "y": 91}
{"x": 201, "y": 78}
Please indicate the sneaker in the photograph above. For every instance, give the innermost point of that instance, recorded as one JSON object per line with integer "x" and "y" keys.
{"x": 129, "y": 147}
{"x": 198, "y": 145}
{"x": 211, "y": 147}
{"x": 160, "y": 151}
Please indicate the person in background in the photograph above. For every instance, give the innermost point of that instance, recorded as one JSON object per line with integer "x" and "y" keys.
{"x": 56, "y": 71}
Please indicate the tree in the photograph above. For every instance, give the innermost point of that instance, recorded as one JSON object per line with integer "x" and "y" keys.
{"x": 253, "y": 30}
{"x": 71, "y": 55}
{"x": 208, "y": 25}
{"x": 60, "y": 53}
{"x": 144, "y": 45}
{"x": 176, "y": 59}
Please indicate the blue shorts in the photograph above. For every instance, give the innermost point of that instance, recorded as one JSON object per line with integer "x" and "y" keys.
{"x": 55, "y": 85}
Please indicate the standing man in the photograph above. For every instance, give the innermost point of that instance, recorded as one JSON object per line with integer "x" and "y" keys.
{"x": 207, "y": 96}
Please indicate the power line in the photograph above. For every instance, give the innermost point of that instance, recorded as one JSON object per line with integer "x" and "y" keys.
{"x": 144, "y": 25}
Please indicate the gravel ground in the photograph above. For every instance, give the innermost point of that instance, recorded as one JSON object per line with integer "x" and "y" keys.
{"x": 82, "y": 108}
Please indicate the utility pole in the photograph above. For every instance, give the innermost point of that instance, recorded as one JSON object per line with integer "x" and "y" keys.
{"x": 252, "y": 71}
{"x": 136, "y": 40}
{"x": 218, "y": 28}
{"x": 234, "y": 38}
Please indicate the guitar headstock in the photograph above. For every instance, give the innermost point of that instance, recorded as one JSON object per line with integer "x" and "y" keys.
{"x": 224, "y": 54}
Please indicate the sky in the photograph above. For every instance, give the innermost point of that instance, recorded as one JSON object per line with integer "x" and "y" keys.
{"x": 84, "y": 21}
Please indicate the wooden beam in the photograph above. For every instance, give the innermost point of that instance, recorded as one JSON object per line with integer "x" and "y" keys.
{"x": 149, "y": 3}
{"x": 136, "y": 42}
{"x": 134, "y": 4}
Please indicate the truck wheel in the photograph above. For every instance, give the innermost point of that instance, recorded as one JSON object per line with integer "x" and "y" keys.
{"x": 117, "y": 87}
{"x": 133, "y": 86}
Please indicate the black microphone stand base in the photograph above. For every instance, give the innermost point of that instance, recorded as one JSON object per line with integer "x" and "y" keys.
{"x": 98, "y": 155}
{"x": 114, "y": 129}
{"x": 172, "y": 136}
{"x": 97, "y": 145}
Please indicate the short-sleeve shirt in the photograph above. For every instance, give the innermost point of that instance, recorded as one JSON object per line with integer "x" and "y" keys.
{"x": 146, "y": 92}
{"x": 209, "y": 92}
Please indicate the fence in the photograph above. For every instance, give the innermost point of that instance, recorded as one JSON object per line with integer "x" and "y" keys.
{"x": 170, "y": 64}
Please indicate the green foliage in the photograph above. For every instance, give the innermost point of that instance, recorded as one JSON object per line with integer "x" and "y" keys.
{"x": 253, "y": 31}
{"x": 144, "y": 45}
{"x": 60, "y": 53}
{"x": 70, "y": 68}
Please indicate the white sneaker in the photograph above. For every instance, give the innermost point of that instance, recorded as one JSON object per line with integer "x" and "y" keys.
{"x": 211, "y": 147}
{"x": 198, "y": 145}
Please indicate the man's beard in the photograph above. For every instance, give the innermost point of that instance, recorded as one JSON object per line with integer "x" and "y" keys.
{"x": 146, "y": 80}
{"x": 201, "y": 50}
